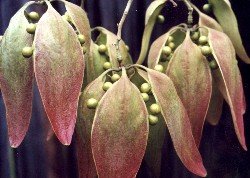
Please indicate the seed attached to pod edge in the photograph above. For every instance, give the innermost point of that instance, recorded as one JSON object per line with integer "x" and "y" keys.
{"x": 145, "y": 88}
{"x": 159, "y": 68}
{"x": 171, "y": 45}
{"x": 145, "y": 96}
{"x": 166, "y": 50}
{"x": 106, "y": 86}
{"x": 81, "y": 38}
{"x": 213, "y": 64}
{"x": 31, "y": 28}
{"x": 115, "y": 77}
{"x": 27, "y": 52}
{"x": 155, "y": 108}
{"x": 92, "y": 103}
{"x": 153, "y": 120}
{"x": 160, "y": 19}
{"x": 102, "y": 48}
{"x": 206, "y": 50}
{"x": 107, "y": 65}
{"x": 202, "y": 40}
{"x": 34, "y": 16}
{"x": 207, "y": 8}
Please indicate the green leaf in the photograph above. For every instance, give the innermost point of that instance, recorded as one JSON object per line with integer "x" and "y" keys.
{"x": 112, "y": 52}
{"x": 120, "y": 131}
{"x": 86, "y": 163}
{"x": 152, "y": 12}
{"x": 228, "y": 79}
{"x": 226, "y": 17}
{"x": 177, "y": 121}
{"x": 16, "y": 77}
{"x": 155, "y": 51}
{"x": 194, "y": 90}
{"x": 59, "y": 68}
{"x": 215, "y": 106}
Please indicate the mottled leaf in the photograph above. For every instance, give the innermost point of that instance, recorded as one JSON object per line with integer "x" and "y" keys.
{"x": 86, "y": 163}
{"x": 177, "y": 121}
{"x": 16, "y": 77}
{"x": 155, "y": 51}
{"x": 226, "y": 17}
{"x": 215, "y": 106}
{"x": 190, "y": 72}
{"x": 120, "y": 131}
{"x": 112, "y": 52}
{"x": 228, "y": 79}
{"x": 59, "y": 67}
{"x": 152, "y": 12}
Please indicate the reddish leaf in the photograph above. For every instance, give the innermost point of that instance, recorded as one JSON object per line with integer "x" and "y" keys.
{"x": 86, "y": 163}
{"x": 120, "y": 131}
{"x": 228, "y": 79}
{"x": 194, "y": 90}
{"x": 59, "y": 67}
{"x": 16, "y": 77}
{"x": 177, "y": 122}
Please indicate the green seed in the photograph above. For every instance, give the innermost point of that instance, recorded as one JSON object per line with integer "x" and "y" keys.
{"x": 102, "y": 48}
{"x": 27, "y": 52}
{"x": 155, "y": 108}
{"x": 81, "y": 38}
{"x": 107, "y": 65}
{"x": 203, "y": 40}
{"x": 67, "y": 17}
{"x": 159, "y": 68}
{"x": 207, "y": 8}
{"x": 92, "y": 103}
{"x": 145, "y": 96}
{"x": 171, "y": 45}
{"x": 213, "y": 64}
{"x": 31, "y": 28}
{"x": 145, "y": 88}
{"x": 160, "y": 19}
{"x": 170, "y": 39}
{"x": 34, "y": 16}
{"x": 115, "y": 77}
{"x": 106, "y": 86}
{"x": 166, "y": 50}
{"x": 195, "y": 36}
{"x": 153, "y": 120}
{"x": 127, "y": 47}
{"x": 206, "y": 50}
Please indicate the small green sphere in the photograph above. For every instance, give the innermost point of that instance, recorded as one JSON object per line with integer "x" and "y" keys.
{"x": 203, "y": 40}
{"x": 106, "y": 86}
{"x": 166, "y": 50}
{"x": 67, "y": 17}
{"x": 155, "y": 108}
{"x": 81, "y": 38}
{"x": 145, "y": 96}
{"x": 206, "y": 50}
{"x": 145, "y": 88}
{"x": 153, "y": 120}
{"x": 31, "y": 28}
{"x": 92, "y": 103}
{"x": 159, "y": 68}
{"x": 127, "y": 47}
{"x": 195, "y": 36}
{"x": 160, "y": 19}
{"x": 102, "y": 48}
{"x": 171, "y": 45}
{"x": 34, "y": 16}
{"x": 213, "y": 64}
{"x": 115, "y": 77}
{"x": 170, "y": 39}
{"x": 107, "y": 65}
{"x": 27, "y": 52}
{"x": 207, "y": 8}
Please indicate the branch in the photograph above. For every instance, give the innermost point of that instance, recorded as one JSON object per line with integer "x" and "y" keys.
{"x": 190, "y": 12}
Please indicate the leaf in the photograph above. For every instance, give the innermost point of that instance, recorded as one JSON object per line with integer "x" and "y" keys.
{"x": 111, "y": 41}
{"x": 16, "y": 77}
{"x": 215, "y": 106}
{"x": 59, "y": 67}
{"x": 155, "y": 51}
{"x": 194, "y": 90}
{"x": 152, "y": 12}
{"x": 228, "y": 79}
{"x": 177, "y": 121}
{"x": 85, "y": 159}
{"x": 226, "y": 17}
{"x": 120, "y": 131}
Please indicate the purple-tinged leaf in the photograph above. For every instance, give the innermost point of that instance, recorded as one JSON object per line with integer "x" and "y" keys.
{"x": 120, "y": 131}
{"x": 177, "y": 121}
{"x": 190, "y": 72}
{"x": 16, "y": 77}
{"x": 59, "y": 67}
{"x": 228, "y": 79}
{"x": 227, "y": 19}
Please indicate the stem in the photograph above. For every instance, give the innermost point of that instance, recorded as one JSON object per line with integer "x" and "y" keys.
{"x": 190, "y": 12}
{"x": 82, "y": 3}
{"x": 119, "y": 32}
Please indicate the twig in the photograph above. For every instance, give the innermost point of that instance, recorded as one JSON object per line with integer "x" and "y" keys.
{"x": 119, "y": 32}
{"x": 190, "y": 12}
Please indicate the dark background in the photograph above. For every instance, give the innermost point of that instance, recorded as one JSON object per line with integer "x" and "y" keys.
{"x": 37, "y": 158}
